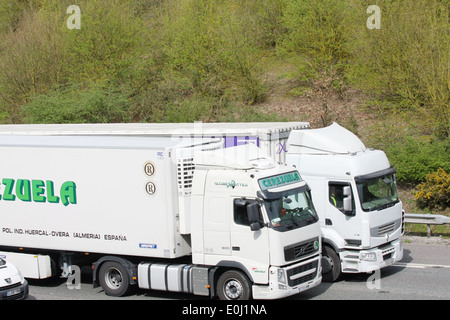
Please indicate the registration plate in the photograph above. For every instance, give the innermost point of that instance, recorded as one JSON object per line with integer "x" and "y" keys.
{"x": 303, "y": 288}
{"x": 12, "y": 292}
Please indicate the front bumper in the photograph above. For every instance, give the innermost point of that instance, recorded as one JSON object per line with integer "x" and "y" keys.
{"x": 18, "y": 291}
{"x": 298, "y": 277}
{"x": 371, "y": 259}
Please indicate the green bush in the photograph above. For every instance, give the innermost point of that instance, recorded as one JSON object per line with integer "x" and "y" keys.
{"x": 414, "y": 158}
{"x": 170, "y": 101}
{"x": 109, "y": 41}
{"x": 208, "y": 44}
{"x": 434, "y": 192}
{"x": 42, "y": 54}
{"x": 11, "y": 11}
{"x": 31, "y": 61}
{"x": 75, "y": 104}
{"x": 317, "y": 36}
{"x": 406, "y": 62}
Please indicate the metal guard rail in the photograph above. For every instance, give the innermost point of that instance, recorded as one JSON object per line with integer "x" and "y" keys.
{"x": 427, "y": 219}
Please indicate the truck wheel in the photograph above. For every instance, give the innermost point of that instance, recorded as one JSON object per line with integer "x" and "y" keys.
{"x": 114, "y": 279}
{"x": 233, "y": 285}
{"x": 331, "y": 265}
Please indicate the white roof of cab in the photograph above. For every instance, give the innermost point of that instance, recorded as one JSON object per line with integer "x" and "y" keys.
{"x": 333, "y": 139}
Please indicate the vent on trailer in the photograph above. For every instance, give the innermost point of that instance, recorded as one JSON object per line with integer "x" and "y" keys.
{"x": 185, "y": 174}
{"x": 186, "y": 166}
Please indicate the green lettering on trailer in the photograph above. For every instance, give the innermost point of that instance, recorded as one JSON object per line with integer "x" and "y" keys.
{"x": 38, "y": 191}
{"x": 23, "y": 190}
{"x": 7, "y": 195}
{"x": 68, "y": 193}
{"x": 51, "y": 193}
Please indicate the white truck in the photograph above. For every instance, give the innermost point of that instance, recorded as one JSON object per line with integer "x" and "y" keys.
{"x": 355, "y": 194}
{"x": 362, "y": 238}
{"x": 158, "y": 213}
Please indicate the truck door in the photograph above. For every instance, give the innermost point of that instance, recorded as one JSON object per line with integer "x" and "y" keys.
{"x": 217, "y": 226}
{"x": 341, "y": 212}
{"x": 250, "y": 248}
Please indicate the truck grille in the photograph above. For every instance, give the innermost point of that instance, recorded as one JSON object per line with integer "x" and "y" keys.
{"x": 294, "y": 275}
{"x": 387, "y": 228}
{"x": 299, "y": 250}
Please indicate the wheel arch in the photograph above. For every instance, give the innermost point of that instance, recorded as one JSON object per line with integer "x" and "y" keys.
{"x": 223, "y": 266}
{"x": 332, "y": 239}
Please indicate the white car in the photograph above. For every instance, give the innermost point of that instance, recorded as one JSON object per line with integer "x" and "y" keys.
{"x": 13, "y": 285}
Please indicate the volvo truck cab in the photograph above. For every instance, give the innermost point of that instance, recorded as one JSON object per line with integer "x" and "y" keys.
{"x": 258, "y": 219}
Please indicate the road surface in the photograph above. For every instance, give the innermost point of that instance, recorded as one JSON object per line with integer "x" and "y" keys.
{"x": 423, "y": 273}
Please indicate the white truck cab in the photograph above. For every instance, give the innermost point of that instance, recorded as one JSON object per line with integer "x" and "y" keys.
{"x": 13, "y": 286}
{"x": 354, "y": 191}
{"x": 258, "y": 217}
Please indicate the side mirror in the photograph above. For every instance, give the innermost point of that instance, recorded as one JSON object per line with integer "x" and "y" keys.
{"x": 347, "y": 191}
{"x": 240, "y": 202}
{"x": 254, "y": 214}
{"x": 348, "y": 201}
{"x": 255, "y": 226}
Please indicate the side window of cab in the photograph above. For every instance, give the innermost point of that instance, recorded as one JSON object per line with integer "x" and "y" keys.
{"x": 340, "y": 196}
{"x": 240, "y": 213}
{"x": 336, "y": 194}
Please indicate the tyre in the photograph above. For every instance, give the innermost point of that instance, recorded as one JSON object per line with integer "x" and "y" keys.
{"x": 331, "y": 265}
{"x": 114, "y": 279}
{"x": 233, "y": 285}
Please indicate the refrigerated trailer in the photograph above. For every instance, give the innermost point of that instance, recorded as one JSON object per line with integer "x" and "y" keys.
{"x": 332, "y": 160}
{"x": 157, "y": 213}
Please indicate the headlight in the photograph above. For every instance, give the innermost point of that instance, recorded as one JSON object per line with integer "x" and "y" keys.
{"x": 369, "y": 256}
{"x": 281, "y": 276}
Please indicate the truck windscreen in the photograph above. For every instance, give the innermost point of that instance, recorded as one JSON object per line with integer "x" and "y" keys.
{"x": 376, "y": 193}
{"x": 291, "y": 211}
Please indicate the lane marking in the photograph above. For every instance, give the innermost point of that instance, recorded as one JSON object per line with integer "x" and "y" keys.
{"x": 420, "y": 265}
